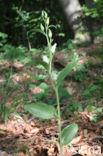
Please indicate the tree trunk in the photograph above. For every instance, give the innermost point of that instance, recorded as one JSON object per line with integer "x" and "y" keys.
{"x": 73, "y": 12}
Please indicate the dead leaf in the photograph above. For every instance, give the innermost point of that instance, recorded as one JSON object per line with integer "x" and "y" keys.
{"x": 85, "y": 132}
{"x": 35, "y": 90}
{"x": 76, "y": 140}
{"x": 18, "y": 65}
{"x": 35, "y": 130}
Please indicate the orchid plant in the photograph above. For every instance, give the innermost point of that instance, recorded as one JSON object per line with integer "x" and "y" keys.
{"x": 45, "y": 111}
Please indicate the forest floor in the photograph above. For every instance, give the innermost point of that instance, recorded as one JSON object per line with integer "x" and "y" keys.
{"x": 31, "y": 136}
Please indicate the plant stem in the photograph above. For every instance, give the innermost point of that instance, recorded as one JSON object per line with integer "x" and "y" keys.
{"x": 55, "y": 88}
{"x": 58, "y": 109}
{"x": 59, "y": 120}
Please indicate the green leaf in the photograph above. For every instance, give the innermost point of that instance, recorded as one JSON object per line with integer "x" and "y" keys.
{"x": 6, "y": 115}
{"x": 33, "y": 62}
{"x": 37, "y": 61}
{"x": 39, "y": 95}
{"x": 38, "y": 30}
{"x": 52, "y": 26}
{"x": 90, "y": 109}
{"x": 99, "y": 110}
{"x": 17, "y": 115}
{"x": 40, "y": 77}
{"x": 41, "y": 110}
{"x": 26, "y": 150}
{"x": 43, "y": 85}
{"x": 63, "y": 92}
{"x": 95, "y": 118}
{"x": 69, "y": 133}
{"x": 65, "y": 72}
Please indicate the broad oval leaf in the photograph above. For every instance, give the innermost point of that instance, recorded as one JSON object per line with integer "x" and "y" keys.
{"x": 65, "y": 72}
{"x": 41, "y": 110}
{"x": 69, "y": 133}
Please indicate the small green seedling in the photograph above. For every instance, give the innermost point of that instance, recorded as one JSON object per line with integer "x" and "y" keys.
{"x": 45, "y": 111}
{"x": 96, "y": 111}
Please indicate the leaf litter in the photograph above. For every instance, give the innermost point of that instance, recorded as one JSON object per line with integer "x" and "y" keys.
{"x": 33, "y": 137}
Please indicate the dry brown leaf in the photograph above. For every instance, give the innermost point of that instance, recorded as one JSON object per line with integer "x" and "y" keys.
{"x": 21, "y": 78}
{"x": 85, "y": 132}
{"x": 100, "y": 123}
{"x": 18, "y": 65}
{"x": 35, "y": 130}
{"x": 35, "y": 90}
{"x": 76, "y": 140}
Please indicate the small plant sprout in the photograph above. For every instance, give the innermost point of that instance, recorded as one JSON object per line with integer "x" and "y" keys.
{"x": 46, "y": 111}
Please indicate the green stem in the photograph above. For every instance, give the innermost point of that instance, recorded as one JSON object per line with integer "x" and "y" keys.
{"x": 55, "y": 88}
{"x": 59, "y": 121}
{"x": 58, "y": 107}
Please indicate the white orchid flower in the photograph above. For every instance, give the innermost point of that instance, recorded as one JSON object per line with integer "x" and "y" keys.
{"x": 53, "y": 48}
{"x": 45, "y": 59}
{"x": 54, "y": 76}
